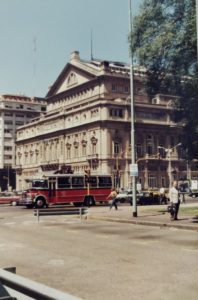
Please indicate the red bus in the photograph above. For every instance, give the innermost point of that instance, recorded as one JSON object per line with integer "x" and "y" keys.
{"x": 67, "y": 188}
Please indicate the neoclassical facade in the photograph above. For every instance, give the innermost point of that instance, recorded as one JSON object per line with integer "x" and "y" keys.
{"x": 88, "y": 126}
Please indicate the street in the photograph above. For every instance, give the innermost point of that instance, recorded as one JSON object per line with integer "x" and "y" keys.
{"x": 100, "y": 260}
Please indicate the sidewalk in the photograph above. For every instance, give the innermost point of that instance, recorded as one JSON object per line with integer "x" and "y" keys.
{"x": 149, "y": 215}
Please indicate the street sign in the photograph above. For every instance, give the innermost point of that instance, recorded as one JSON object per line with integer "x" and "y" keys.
{"x": 133, "y": 170}
{"x": 138, "y": 187}
{"x": 194, "y": 184}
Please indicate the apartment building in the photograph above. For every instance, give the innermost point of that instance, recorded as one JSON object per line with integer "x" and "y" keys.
{"x": 87, "y": 125}
{"x": 15, "y": 111}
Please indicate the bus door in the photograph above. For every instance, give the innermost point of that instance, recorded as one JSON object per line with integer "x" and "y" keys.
{"x": 52, "y": 189}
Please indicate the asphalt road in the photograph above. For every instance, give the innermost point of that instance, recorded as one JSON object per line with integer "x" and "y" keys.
{"x": 97, "y": 260}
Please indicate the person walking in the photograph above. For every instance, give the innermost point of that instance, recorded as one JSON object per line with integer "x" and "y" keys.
{"x": 174, "y": 200}
{"x": 162, "y": 195}
{"x": 113, "y": 201}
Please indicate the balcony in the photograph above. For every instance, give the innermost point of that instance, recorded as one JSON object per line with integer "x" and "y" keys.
{"x": 93, "y": 159}
{"x": 51, "y": 165}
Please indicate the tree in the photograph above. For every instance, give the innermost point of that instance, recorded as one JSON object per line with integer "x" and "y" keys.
{"x": 164, "y": 41}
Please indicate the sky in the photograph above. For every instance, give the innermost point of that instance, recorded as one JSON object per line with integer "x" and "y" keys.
{"x": 38, "y": 36}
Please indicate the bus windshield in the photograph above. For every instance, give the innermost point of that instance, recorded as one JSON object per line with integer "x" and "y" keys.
{"x": 39, "y": 183}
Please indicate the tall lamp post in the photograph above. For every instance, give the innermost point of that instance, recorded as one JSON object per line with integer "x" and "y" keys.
{"x": 169, "y": 151}
{"x": 197, "y": 24}
{"x": 133, "y": 170}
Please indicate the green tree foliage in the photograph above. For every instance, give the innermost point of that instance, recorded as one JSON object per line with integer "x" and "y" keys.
{"x": 164, "y": 40}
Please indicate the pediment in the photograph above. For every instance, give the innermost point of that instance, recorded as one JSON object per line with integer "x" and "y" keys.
{"x": 71, "y": 80}
{"x": 70, "y": 77}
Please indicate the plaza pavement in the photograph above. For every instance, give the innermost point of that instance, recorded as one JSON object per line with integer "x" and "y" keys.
{"x": 148, "y": 215}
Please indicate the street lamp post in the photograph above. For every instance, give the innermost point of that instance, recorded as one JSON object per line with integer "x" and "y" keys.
{"x": 133, "y": 165}
{"x": 169, "y": 151}
{"x": 197, "y": 24}
{"x": 8, "y": 184}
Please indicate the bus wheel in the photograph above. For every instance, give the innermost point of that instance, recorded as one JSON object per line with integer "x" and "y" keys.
{"x": 89, "y": 201}
{"x": 40, "y": 202}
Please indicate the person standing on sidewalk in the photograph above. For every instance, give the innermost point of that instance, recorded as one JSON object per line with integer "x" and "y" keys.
{"x": 174, "y": 199}
{"x": 113, "y": 201}
{"x": 162, "y": 195}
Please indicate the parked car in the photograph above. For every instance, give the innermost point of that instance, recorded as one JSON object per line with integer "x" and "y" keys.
{"x": 124, "y": 196}
{"x": 148, "y": 198}
{"x": 143, "y": 198}
{"x": 9, "y": 198}
{"x": 193, "y": 194}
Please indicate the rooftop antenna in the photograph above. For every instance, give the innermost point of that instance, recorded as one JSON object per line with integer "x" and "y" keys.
{"x": 91, "y": 45}
{"x": 34, "y": 64}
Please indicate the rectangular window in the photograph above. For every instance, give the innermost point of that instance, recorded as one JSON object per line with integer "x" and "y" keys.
{"x": 77, "y": 182}
{"x": 113, "y": 88}
{"x": 150, "y": 149}
{"x": 64, "y": 182}
{"x": 104, "y": 181}
{"x": 68, "y": 153}
{"x": 152, "y": 181}
{"x": 75, "y": 152}
{"x": 116, "y": 148}
{"x": 8, "y": 122}
{"x": 140, "y": 152}
{"x": 116, "y": 112}
{"x": 126, "y": 89}
{"x": 7, "y": 148}
{"x": 162, "y": 151}
{"x": 172, "y": 141}
{"x": 93, "y": 181}
{"x": 19, "y": 123}
{"x": 7, "y": 156}
{"x": 40, "y": 183}
{"x": 20, "y": 115}
{"x": 7, "y": 130}
{"x": 84, "y": 150}
{"x": 120, "y": 113}
{"x": 163, "y": 182}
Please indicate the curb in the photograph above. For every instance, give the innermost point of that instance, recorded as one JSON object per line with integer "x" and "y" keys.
{"x": 146, "y": 223}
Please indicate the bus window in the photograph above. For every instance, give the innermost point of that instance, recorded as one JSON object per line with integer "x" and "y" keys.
{"x": 92, "y": 181}
{"x": 78, "y": 182}
{"x": 39, "y": 183}
{"x": 64, "y": 182}
{"x": 104, "y": 181}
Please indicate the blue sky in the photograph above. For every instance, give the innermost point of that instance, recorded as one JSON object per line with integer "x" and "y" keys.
{"x": 37, "y": 37}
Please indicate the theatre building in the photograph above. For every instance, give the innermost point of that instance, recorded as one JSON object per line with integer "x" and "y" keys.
{"x": 87, "y": 125}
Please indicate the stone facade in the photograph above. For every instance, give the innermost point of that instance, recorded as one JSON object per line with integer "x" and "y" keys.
{"x": 88, "y": 126}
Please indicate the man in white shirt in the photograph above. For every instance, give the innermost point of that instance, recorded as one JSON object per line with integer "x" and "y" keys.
{"x": 113, "y": 201}
{"x": 174, "y": 199}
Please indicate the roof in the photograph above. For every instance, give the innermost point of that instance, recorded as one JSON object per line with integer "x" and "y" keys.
{"x": 92, "y": 69}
